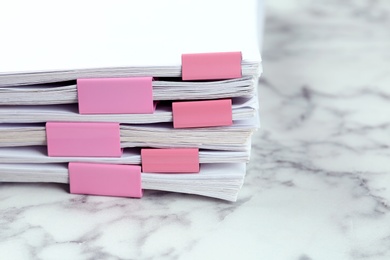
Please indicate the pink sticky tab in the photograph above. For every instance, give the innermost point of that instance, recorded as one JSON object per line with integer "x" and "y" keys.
{"x": 205, "y": 66}
{"x": 83, "y": 139}
{"x": 172, "y": 160}
{"x": 115, "y": 96}
{"x": 105, "y": 179}
{"x": 202, "y": 113}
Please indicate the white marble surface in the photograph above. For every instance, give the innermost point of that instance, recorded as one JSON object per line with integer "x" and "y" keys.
{"x": 318, "y": 185}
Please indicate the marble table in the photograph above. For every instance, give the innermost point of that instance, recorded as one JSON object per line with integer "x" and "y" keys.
{"x": 318, "y": 184}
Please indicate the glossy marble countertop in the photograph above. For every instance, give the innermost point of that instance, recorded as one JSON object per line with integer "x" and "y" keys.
{"x": 318, "y": 185}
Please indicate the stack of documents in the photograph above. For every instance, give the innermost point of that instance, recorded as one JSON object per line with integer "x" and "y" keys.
{"x": 114, "y": 98}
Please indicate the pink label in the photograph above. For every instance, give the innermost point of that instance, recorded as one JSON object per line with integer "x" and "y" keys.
{"x": 115, "y": 96}
{"x": 105, "y": 179}
{"x": 83, "y": 139}
{"x": 202, "y": 113}
{"x": 206, "y": 66}
{"x": 171, "y": 160}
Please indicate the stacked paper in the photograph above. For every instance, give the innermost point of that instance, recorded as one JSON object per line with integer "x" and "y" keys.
{"x": 123, "y": 97}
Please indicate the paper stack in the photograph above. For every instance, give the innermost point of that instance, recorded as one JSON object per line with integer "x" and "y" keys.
{"x": 123, "y": 97}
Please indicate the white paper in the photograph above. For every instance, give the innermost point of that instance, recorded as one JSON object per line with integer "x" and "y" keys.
{"x": 45, "y": 35}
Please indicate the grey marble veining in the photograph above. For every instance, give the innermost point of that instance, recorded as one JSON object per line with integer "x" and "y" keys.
{"x": 318, "y": 185}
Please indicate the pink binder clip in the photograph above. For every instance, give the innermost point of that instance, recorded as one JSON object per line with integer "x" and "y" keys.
{"x": 202, "y": 113}
{"x": 105, "y": 179}
{"x": 171, "y": 160}
{"x": 207, "y": 66}
{"x": 83, "y": 139}
{"x": 115, "y": 95}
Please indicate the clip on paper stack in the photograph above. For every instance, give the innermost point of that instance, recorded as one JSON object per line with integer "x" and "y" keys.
{"x": 131, "y": 119}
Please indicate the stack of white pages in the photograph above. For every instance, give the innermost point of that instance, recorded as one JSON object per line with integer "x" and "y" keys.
{"x": 189, "y": 68}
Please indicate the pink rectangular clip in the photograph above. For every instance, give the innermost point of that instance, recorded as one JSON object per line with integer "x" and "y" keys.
{"x": 206, "y": 66}
{"x": 202, "y": 113}
{"x": 83, "y": 139}
{"x": 115, "y": 95}
{"x": 105, "y": 179}
{"x": 171, "y": 160}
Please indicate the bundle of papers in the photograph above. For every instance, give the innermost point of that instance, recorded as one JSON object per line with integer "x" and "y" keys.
{"x": 242, "y": 108}
{"x": 40, "y": 84}
{"x": 213, "y": 180}
{"x": 38, "y": 154}
{"x": 235, "y": 137}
